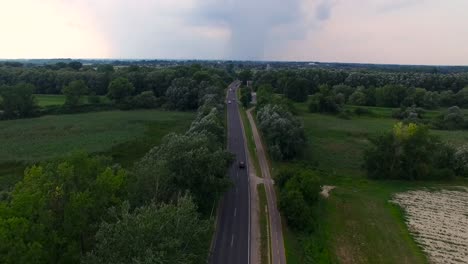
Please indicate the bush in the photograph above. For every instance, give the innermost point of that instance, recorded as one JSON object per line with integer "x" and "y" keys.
{"x": 409, "y": 152}
{"x": 461, "y": 160}
{"x": 299, "y": 191}
{"x": 283, "y": 133}
{"x": 452, "y": 119}
{"x": 145, "y": 100}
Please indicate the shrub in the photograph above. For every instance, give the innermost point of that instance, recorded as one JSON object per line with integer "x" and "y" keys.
{"x": 146, "y": 100}
{"x": 409, "y": 152}
{"x": 283, "y": 133}
{"x": 299, "y": 191}
{"x": 452, "y": 119}
{"x": 461, "y": 160}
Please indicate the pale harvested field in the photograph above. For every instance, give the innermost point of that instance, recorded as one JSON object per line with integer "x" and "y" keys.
{"x": 438, "y": 221}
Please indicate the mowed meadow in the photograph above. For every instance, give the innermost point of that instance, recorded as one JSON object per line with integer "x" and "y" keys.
{"x": 357, "y": 223}
{"x": 124, "y": 135}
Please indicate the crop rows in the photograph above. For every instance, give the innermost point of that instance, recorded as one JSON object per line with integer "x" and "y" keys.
{"x": 438, "y": 222}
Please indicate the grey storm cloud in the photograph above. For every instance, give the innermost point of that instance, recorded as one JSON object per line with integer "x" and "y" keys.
{"x": 254, "y": 24}
{"x": 258, "y": 28}
{"x": 261, "y": 25}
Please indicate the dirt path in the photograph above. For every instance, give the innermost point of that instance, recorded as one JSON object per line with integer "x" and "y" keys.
{"x": 276, "y": 231}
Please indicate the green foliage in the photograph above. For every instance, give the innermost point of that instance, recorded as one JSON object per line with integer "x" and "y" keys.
{"x": 462, "y": 97}
{"x": 245, "y": 96}
{"x": 145, "y": 100}
{"x": 164, "y": 233}
{"x": 461, "y": 160}
{"x": 119, "y": 89}
{"x": 52, "y": 214}
{"x": 73, "y": 92}
{"x": 283, "y": 133}
{"x": 358, "y": 97}
{"x": 245, "y": 75}
{"x": 18, "y": 101}
{"x": 409, "y": 153}
{"x": 299, "y": 190}
{"x": 183, "y": 94}
{"x": 390, "y": 95}
{"x": 297, "y": 89}
{"x": 452, "y": 119}
{"x": 183, "y": 163}
{"x": 326, "y": 101}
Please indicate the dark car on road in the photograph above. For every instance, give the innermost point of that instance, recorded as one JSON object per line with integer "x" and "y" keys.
{"x": 241, "y": 164}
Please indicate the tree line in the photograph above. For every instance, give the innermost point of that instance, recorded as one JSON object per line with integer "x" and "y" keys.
{"x": 86, "y": 209}
{"x": 178, "y": 88}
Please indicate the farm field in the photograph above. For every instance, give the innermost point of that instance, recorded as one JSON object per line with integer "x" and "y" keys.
{"x": 439, "y": 223}
{"x": 124, "y": 135}
{"x": 357, "y": 223}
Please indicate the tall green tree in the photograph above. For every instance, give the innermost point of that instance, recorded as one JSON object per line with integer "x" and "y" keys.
{"x": 53, "y": 212}
{"x": 165, "y": 233}
{"x": 18, "y": 101}
{"x": 73, "y": 92}
{"x": 120, "y": 88}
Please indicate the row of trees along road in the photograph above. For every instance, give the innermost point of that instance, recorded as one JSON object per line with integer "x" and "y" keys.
{"x": 87, "y": 209}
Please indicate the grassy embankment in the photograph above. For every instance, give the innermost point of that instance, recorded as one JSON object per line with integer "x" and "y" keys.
{"x": 356, "y": 224}
{"x": 124, "y": 135}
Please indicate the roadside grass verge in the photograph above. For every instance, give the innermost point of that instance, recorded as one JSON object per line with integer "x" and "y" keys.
{"x": 264, "y": 226}
{"x": 250, "y": 141}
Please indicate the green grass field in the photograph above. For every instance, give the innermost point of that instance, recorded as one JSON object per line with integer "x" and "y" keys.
{"x": 49, "y": 99}
{"x": 124, "y": 135}
{"x": 357, "y": 223}
{"x": 45, "y": 100}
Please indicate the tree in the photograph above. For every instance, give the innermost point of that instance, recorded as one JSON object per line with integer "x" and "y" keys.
{"x": 146, "y": 100}
{"x": 299, "y": 191}
{"x": 166, "y": 233}
{"x": 55, "y": 209}
{"x": 73, "y": 92}
{"x": 390, "y": 95}
{"x": 283, "y": 132}
{"x": 193, "y": 163}
{"x": 246, "y": 96}
{"x": 409, "y": 152}
{"x": 183, "y": 94}
{"x": 462, "y": 97}
{"x": 358, "y": 98}
{"x": 297, "y": 89}
{"x": 245, "y": 75}
{"x": 119, "y": 89}
{"x": 18, "y": 101}
{"x": 75, "y": 65}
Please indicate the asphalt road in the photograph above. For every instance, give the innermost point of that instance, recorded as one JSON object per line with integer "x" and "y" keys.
{"x": 232, "y": 238}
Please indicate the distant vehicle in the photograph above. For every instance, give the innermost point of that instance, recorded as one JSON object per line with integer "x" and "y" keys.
{"x": 229, "y": 101}
{"x": 241, "y": 164}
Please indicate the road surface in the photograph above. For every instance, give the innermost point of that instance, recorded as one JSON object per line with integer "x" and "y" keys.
{"x": 276, "y": 230}
{"x": 232, "y": 238}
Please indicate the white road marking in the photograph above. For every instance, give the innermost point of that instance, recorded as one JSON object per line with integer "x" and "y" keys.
{"x": 235, "y": 211}
{"x": 232, "y": 240}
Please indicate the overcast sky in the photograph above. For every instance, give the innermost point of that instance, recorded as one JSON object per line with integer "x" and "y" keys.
{"x": 375, "y": 31}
